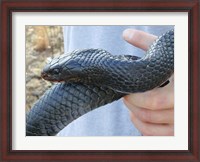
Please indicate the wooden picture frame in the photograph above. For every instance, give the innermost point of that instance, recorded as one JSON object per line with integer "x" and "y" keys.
{"x": 192, "y": 7}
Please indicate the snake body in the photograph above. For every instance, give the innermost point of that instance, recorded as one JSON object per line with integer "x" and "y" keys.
{"x": 91, "y": 78}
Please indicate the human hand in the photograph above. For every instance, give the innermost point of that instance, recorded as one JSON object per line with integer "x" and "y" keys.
{"x": 152, "y": 112}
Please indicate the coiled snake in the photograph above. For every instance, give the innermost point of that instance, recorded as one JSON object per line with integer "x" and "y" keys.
{"x": 91, "y": 78}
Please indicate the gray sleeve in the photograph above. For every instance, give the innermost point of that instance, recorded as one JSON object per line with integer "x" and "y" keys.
{"x": 106, "y": 37}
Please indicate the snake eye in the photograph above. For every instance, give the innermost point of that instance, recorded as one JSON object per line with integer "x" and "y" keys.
{"x": 56, "y": 71}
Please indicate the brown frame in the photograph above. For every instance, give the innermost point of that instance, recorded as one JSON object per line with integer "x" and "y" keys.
{"x": 9, "y": 6}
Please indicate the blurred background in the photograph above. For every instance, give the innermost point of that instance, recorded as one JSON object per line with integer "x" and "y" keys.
{"x": 42, "y": 43}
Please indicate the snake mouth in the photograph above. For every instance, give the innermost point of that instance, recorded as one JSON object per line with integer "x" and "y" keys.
{"x": 45, "y": 76}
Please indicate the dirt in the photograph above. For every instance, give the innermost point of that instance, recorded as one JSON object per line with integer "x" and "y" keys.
{"x": 42, "y": 43}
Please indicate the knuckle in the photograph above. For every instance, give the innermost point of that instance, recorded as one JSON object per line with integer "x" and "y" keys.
{"x": 156, "y": 102}
{"x": 145, "y": 115}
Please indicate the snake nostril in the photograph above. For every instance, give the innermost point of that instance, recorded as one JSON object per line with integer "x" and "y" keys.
{"x": 44, "y": 75}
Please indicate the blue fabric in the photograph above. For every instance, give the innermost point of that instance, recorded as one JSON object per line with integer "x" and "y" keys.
{"x": 112, "y": 119}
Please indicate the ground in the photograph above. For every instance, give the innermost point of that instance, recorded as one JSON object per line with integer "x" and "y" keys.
{"x": 42, "y": 43}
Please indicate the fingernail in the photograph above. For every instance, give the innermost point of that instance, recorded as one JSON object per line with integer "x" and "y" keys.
{"x": 128, "y": 34}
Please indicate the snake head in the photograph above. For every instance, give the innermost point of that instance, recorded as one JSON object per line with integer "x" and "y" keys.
{"x": 66, "y": 68}
{"x": 76, "y": 66}
{"x": 52, "y": 71}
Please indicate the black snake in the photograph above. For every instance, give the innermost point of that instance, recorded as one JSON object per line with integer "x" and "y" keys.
{"x": 91, "y": 78}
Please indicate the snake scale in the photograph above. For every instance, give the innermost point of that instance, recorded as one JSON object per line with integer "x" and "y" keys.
{"x": 90, "y": 78}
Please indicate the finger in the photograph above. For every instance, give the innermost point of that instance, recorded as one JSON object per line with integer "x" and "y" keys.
{"x": 138, "y": 38}
{"x": 158, "y": 98}
{"x": 149, "y": 129}
{"x": 152, "y": 116}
